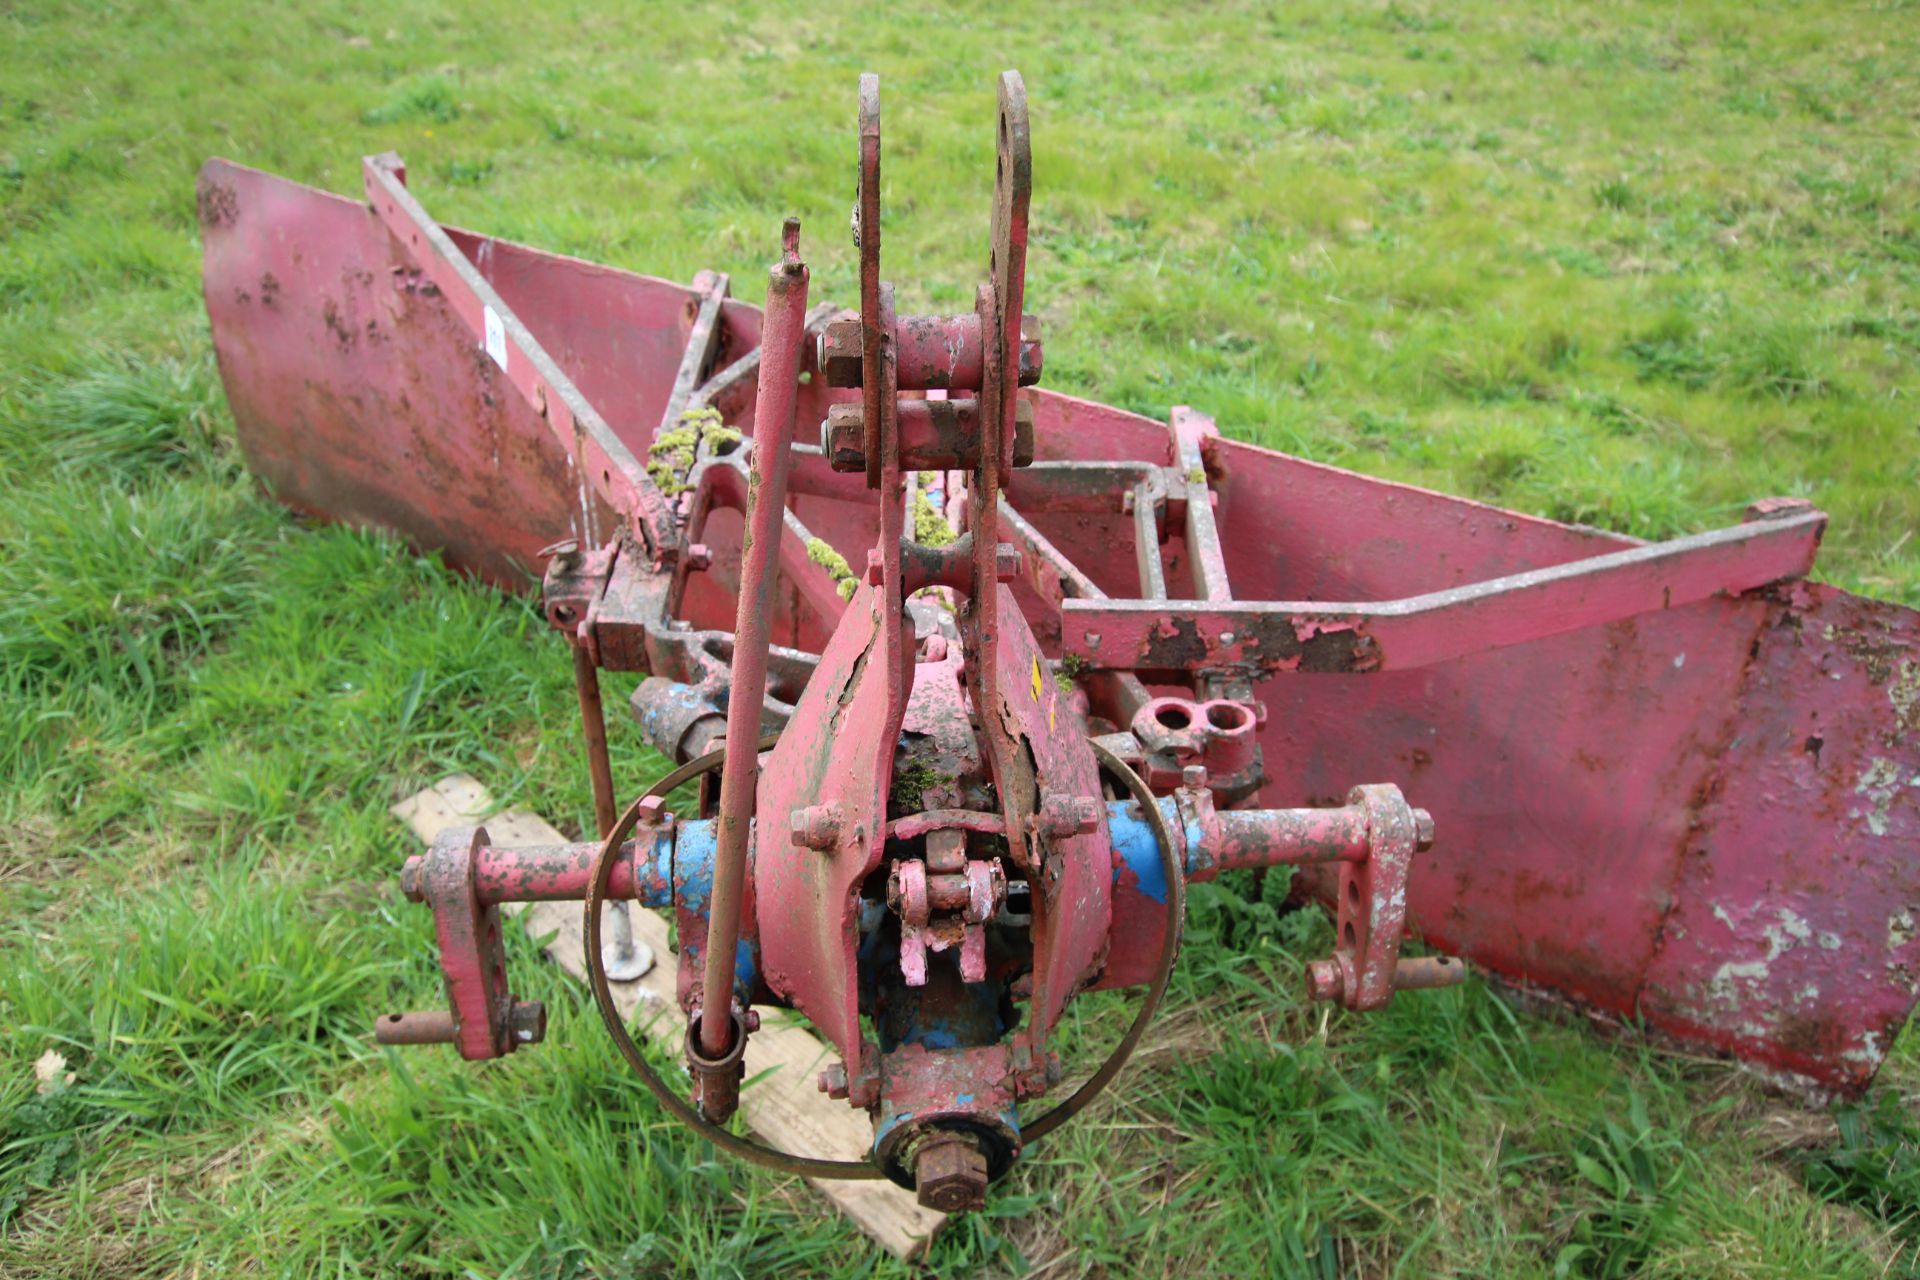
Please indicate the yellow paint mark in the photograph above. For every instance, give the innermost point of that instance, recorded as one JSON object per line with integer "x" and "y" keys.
{"x": 1036, "y": 678}
{"x": 1051, "y": 703}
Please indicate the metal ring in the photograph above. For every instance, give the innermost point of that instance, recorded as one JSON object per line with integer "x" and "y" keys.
{"x": 1169, "y": 951}
{"x": 682, "y": 1110}
{"x": 809, "y": 1166}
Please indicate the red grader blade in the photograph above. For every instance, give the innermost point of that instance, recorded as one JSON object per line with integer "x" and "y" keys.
{"x": 989, "y": 672}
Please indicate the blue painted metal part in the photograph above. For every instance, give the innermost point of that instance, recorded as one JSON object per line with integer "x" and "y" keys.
{"x": 692, "y": 878}
{"x": 1139, "y": 850}
{"x": 692, "y": 885}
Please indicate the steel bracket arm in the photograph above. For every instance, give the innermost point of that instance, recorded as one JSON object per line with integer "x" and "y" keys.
{"x": 1163, "y": 635}
{"x": 484, "y": 1019}
{"x": 603, "y": 463}
{"x": 1372, "y": 840}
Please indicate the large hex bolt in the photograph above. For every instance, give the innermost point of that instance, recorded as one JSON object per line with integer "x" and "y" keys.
{"x": 527, "y": 1021}
{"x": 816, "y": 826}
{"x": 950, "y": 1173}
{"x": 1032, "y": 357}
{"x": 839, "y": 353}
{"x": 1061, "y": 815}
{"x": 833, "y": 1080}
{"x": 843, "y": 437}
{"x": 1327, "y": 979}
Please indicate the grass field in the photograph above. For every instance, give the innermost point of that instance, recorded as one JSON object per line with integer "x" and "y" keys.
{"x": 1628, "y": 264}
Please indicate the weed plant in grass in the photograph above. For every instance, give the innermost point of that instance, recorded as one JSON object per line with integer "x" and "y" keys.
{"x": 1629, "y": 266}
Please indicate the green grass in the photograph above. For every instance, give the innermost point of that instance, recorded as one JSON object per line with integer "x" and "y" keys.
{"x": 1630, "y": 265}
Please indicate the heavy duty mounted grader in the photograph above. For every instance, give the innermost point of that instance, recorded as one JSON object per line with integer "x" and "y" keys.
{"x": 978, "y": 682}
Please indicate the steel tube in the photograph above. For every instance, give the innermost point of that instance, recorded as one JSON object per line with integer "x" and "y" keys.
{"x": 1426, "y": 973}
{"x": 939, "y": 351}
{"x": 782, "y": 333}
{"x": 1270, "y": 837}
{"x": 593, "y": 727}
{"x": 1241, "y": 837}
{"x": 429, "y": 1026}
{"x": 934, "y": 435}
{"x": 558, "y": 873}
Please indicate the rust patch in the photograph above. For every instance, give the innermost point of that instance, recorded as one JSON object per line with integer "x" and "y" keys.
{"x": 343, "y": 333}
{"x": 217, "y": 204}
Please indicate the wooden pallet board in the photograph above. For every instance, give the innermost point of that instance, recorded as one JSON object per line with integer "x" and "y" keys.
{"x": 781, "y": 1102}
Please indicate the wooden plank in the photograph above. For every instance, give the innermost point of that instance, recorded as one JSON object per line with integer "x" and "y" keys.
{"x": 781, "y": 1102}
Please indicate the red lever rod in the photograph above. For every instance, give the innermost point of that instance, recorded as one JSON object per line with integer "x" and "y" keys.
{"x": 785, "y": 328}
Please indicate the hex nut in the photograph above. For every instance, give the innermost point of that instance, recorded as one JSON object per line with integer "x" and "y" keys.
{"x": 840, "y": 354}
{"x": 527, "y": 1021}
{"x": 1324, "y": 981}
{"x": 950, "y": 1174}
{"x": 833, "y": 1080}
{"x": 815, "y": 826}
{"x": 843, "y": 437}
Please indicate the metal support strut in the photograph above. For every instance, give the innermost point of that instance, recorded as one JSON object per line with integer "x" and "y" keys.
{"x": 715, "y": 1055}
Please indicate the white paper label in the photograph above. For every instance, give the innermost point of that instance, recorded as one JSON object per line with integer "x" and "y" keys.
{"x": 496, "y": 338}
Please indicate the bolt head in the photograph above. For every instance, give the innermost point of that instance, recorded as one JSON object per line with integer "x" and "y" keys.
{"x": 1061, "y": 815}
{"x": 1162, "y": 771}
{"x": 815, "y": 826}
{"x": 1023, "y": 433}
{"x": 1324, "y": 981}
{"x": 1032, "y": 350}
{"x": 1422, "y": 830}
{"x": 833, "y": 1080}
{"x": 699, "y": 556}
{"x": 1194, "y": 777}
{"x": 527, "y": 1021}
{"x": 950, "y": 1175}
{"x": 843, "y": 437}
{"x": 840, "y": 355}
{"x": 653, "y": 809}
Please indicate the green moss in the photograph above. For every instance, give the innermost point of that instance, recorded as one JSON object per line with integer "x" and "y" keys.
{"x": 666, "y": 478}
{"x": 673, "y": 452}
{"x": 912, "y": 779}
{"x": 930, "y": 528}
{"x": 822, "y": 553}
